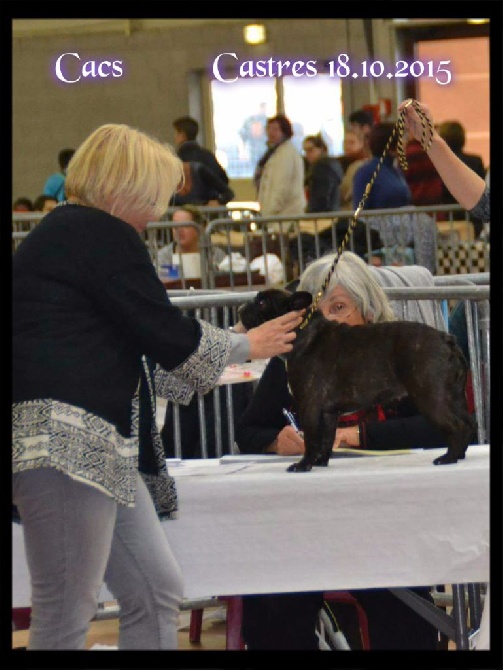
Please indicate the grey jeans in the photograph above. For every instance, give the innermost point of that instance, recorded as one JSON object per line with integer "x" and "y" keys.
{"x": 76, "y": 537}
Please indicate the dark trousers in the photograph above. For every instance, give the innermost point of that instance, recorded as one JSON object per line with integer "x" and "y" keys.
{"x": 288, "y": 621}
{"x": 281, "y": 621}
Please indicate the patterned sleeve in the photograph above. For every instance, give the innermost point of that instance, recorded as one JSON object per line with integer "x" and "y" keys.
{"x": 200, "y": 371}
{"x": 482, "y": 209}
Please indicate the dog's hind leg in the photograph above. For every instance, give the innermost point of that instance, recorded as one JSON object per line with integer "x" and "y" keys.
{"x": 330, "y": 421}
{"x": 458, "y": 438}
{"x": 440, "y": 397}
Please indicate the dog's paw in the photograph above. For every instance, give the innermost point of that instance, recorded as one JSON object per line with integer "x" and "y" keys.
{"x": 445, "y": 459}
{"x": 300, "y": 466}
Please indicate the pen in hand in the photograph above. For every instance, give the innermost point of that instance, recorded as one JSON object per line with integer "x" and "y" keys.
{"x": 291, "y": 420}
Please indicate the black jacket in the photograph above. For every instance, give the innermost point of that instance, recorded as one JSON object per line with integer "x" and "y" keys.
{"x": 192, "y": 152}
{"x": 87, "y": 304}
{"x": 323, "y": 179}
{"x": 201, "y": 186}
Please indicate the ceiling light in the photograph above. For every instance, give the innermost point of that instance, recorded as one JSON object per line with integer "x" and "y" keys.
{"x": 254, "y": 33}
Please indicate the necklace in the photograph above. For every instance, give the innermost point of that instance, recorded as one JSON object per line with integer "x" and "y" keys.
{"x": 399, "y": 132}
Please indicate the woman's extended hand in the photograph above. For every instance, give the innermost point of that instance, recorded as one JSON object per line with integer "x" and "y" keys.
{"x": 289, "y": 442}
{"x": 275, "y": 336}
{"x": 412, "y": 120}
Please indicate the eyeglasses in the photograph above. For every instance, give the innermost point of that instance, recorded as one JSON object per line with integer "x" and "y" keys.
{"x": 338, "y": 309}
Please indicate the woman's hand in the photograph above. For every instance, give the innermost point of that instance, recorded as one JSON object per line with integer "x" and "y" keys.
{"x": 289, "y": 442}
{"x": 347, "y": 437}
{"x": 275, "y": 336}
{"x": 413, "y": 122}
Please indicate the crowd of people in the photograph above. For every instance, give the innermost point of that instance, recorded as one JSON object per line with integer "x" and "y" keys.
{"x": 90, "y": 481}
{"x": 289, "y": 182}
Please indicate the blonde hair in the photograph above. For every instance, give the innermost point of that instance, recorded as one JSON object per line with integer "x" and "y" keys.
{"x": 356, "y": 278}
{"x": 123, "y": 170}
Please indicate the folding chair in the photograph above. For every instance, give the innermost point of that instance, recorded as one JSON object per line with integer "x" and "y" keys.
{"x": 328, "y": 635}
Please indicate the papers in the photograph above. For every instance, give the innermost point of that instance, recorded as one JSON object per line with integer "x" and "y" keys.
{"x": 238, "y": 373}
{"x": 345, "y": 452}
{"x": 342, "y": 452}
{"x": 257, "y": 458}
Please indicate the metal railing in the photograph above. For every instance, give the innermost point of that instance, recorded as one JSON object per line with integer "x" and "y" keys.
{"x": 432, "y": 236}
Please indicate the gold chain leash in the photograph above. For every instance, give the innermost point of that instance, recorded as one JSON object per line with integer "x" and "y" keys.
{"x": 399, "y": 130}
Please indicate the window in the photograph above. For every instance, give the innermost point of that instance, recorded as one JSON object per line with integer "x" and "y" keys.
{"x": 241, "y": 109}
{"x": 315, "y": 105}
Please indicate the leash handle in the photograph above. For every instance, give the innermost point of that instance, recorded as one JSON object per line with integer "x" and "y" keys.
{"x": 399, "y": 131}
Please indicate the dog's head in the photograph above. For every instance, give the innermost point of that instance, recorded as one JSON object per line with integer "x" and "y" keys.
{"x": 271, "y": 303}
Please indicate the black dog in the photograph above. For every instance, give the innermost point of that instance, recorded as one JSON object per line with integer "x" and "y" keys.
{"x": 335, "y": 368}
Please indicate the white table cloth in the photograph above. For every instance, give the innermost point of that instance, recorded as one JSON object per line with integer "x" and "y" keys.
{"x": 248, "y": 526}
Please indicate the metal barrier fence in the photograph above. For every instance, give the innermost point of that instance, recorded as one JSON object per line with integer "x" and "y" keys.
{"x": 272, "y": 250}
{"x": 215, "y": 436}
{"x": 429, "y": 236}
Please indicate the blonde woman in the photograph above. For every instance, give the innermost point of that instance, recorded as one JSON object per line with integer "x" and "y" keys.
{"x": 88, "y": 308}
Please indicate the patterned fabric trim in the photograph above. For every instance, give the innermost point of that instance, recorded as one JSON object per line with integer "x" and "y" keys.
{"x": 200, "y": 371}
{"x": 50, "y": 433}
{"x": 161, "y": 485}
{"x": 163, "y": 492}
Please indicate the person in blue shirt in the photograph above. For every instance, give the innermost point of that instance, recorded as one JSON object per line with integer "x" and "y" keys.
{"x": 55, "y": 184}
{"x": 390, "y": 188}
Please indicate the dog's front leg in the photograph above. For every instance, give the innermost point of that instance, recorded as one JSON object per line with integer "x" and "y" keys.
{"x": 312, "y": 440}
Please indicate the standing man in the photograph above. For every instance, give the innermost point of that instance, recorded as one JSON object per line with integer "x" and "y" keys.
{"x": 190, "y": 151}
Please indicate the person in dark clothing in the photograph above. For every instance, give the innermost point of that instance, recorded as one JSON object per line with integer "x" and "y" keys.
{"x": 55, "y": 184}
{"x": 201, "y": 186}
{"x": 323, "y": 180}
{"x": 421, "y": 176}
{"x": 390, "y": 188}
{"x": 287, "y": 621}
{"x": 189, "y": 150}
{"x": 323, "y": 176}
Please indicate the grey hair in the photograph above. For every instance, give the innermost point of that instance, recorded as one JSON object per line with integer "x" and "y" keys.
{"x": 355, "y": 277}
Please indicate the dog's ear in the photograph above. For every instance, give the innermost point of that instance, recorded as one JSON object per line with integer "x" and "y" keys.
{"x": 291, "y": 287}
{"x": 301, "y": 300}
